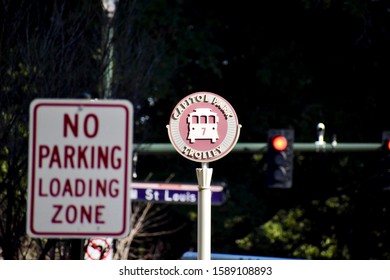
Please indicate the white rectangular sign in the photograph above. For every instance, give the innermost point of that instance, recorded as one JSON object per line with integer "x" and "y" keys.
{"x": 79, "y": 168}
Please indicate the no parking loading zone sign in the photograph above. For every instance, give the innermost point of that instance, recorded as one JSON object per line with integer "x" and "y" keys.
{"x": 79, "y": 165}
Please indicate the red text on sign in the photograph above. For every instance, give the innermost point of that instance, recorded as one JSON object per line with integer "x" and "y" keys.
{"x": 80, "y": 214}
{"x": 87, "y": 157}
{"x": 90, "y": 126}
{"x": 79, "y": 188}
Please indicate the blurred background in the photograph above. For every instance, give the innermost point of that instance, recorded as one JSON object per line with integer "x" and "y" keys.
{"x": 280, "y": 64}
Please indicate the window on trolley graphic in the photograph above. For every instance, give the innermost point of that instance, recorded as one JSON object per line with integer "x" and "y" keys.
{"x": 202, "y": 124}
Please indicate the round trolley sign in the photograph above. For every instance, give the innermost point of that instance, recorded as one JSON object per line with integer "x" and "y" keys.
{"x": 203, "y": 127}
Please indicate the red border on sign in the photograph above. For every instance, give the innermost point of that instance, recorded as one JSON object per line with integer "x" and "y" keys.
{"x": 126, "y": 176}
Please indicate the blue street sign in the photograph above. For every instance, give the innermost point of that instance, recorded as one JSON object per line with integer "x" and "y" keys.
{"x": 173, "y": 193}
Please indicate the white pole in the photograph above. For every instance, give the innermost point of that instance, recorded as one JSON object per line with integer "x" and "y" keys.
{"x": 204, "y": 211}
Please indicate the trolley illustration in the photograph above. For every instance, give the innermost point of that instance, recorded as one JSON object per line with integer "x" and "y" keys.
{"x": 202, "y": 124}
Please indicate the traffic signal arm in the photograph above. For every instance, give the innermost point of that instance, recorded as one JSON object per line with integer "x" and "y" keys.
{"x": 167, "y": 148}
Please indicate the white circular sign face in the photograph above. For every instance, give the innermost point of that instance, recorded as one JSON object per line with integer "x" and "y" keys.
{"x": 203, "y": 127}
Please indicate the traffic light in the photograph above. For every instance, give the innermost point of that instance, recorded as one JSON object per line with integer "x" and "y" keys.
{"x": 386, "y": 158}
{"x": 386, "y": 142}
{"x": 280, "y": 158}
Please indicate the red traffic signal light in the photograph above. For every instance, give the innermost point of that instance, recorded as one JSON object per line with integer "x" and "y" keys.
{"x": 279, "y": 143}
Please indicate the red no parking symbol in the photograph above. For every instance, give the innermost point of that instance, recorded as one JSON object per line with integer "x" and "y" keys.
{"x": 98, "y": 249}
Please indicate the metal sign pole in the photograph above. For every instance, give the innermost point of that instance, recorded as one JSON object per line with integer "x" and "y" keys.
{"x": 204, "y": 211}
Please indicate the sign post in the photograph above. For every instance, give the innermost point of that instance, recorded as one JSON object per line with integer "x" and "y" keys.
{"x": 79, "y": 168}
{"x": 204, "y": 211}
{"x": 203, "y": 127}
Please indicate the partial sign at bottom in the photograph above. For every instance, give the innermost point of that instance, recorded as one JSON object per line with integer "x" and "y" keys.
{"x": 98, "y": 249}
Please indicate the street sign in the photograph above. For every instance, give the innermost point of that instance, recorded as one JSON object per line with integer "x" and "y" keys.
{"x": 203, "y": 127}
{"x": 79, "y": 168}
{"x": 173, "y": 193}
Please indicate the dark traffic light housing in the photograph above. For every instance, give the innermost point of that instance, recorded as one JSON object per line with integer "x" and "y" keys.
{"x": 385, "y": 149}
{"x": 280, "y": 158}
{"x": 386, "y": 141}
